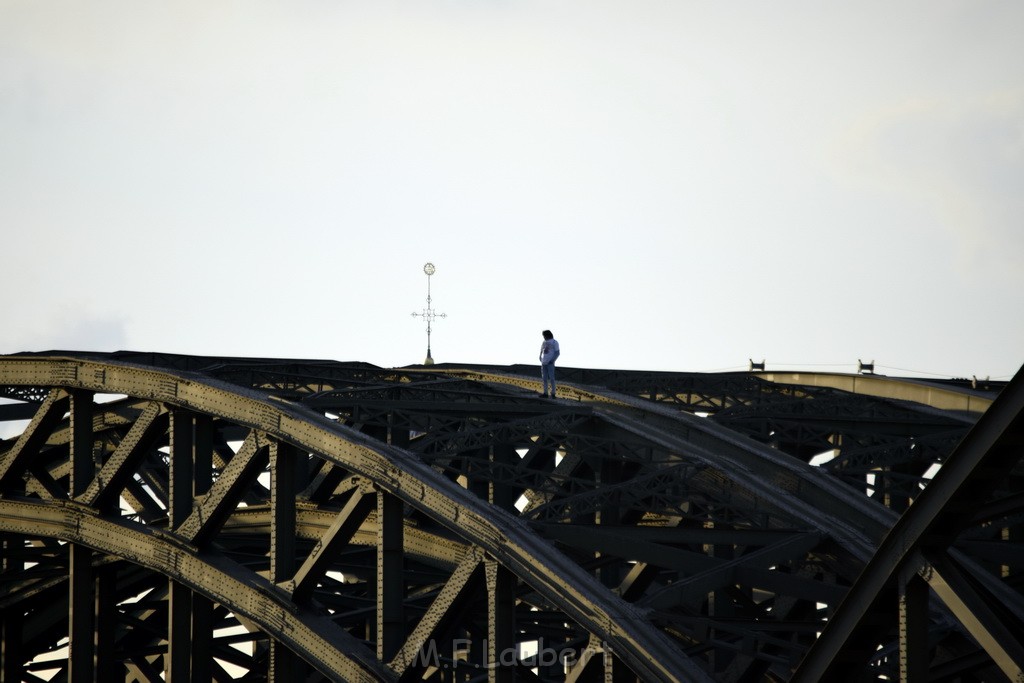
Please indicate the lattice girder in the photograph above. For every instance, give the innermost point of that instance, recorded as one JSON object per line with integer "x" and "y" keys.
{"x": 192, "y": 547}
{"x": 392, "y": 511}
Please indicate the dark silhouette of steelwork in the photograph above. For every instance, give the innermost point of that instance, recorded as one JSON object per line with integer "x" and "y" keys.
{"x": 212, "y": 519}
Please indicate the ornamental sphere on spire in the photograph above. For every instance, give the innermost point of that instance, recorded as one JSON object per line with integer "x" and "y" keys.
{"x": 429, "y": 269}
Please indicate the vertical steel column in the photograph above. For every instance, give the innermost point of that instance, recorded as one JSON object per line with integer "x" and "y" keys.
{"x": 390, "y": 579}
{"x": 398, "y": 432}
{"x": 609, "y": 473}
{"x": 203, "y": 454}
{"x": 81, "y": 615}
{"x": 180, "y": 468}
{"x": 720, "y": 606}
{"x": 202, "y": 638}
{"x": 81, "y": 578}
{"x": 202, "y": 607}
{"x": 895, "y": 498}
{"x": 283, "y": 458}
{"x": 107, "y": 666}
{"x": 502, "y": 494}
{"x": 476, "y": 466}
{"x": 501, "y": 624}
{"x": 11, "y": 618}
{"x": 179, "y": 506}
{"x": 914, "y": 594}
{"x": 83, "y": 466}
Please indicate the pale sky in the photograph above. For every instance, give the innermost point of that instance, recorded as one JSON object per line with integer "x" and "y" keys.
{"x": 665, "y": 185}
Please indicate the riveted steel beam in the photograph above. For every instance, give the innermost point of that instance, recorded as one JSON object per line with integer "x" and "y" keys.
{"x": 109, "y": 482}
{"x": 390, "y": 576}
{"x": 978, "y": 614}
{"x": 333, "y": 652}
{"x": 501, "y": 623}
{"x": 453, "y": 592}
{"x": 17, "y": 459}
{"x": 397, "y": 473}
{"x": 931, "y": 525}
{"x": 340, "y": 532}
{"x": 757, "y": 547}
{"x": 214, "y": 509}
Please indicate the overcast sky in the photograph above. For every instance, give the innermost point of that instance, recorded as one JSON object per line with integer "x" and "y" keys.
{"x": 665, "y": 185}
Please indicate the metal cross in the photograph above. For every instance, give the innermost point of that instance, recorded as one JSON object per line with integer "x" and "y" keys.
{"x": 428, "y": 313}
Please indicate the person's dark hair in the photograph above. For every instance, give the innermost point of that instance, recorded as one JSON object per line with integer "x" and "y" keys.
{"x": 547, "y": 334}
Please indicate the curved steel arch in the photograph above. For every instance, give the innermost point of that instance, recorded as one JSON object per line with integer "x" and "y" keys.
{"x": 391, "y": 470}
{"x": 217, "y": 578}
{"x": 646, "y": 543}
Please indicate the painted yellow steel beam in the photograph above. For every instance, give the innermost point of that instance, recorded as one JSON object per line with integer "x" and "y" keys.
{"x": 562, "y": 389}
{"x": 902, "y": 389}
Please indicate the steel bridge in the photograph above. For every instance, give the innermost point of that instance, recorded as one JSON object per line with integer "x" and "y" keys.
{"x": 184, "y": 518}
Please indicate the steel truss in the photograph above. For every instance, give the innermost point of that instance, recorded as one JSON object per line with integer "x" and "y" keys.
{"x": 196, "y": 519}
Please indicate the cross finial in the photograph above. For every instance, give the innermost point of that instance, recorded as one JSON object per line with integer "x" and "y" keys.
{"x": 428, "y": 313}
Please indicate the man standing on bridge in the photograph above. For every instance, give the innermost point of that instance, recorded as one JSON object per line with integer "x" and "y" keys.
{"x": 548, "y": 353}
